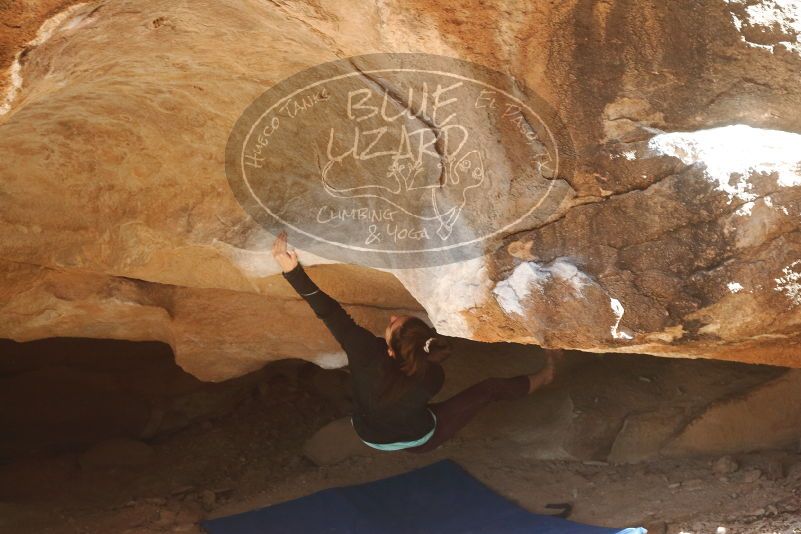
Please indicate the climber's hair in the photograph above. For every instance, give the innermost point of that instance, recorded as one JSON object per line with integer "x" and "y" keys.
{"x": 408, "y": 343}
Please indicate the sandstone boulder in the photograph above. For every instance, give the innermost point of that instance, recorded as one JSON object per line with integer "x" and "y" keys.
{"x": 676, "y": 234}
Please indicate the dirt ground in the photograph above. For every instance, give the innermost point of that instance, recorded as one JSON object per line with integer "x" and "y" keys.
{"x": 253, "y": 457}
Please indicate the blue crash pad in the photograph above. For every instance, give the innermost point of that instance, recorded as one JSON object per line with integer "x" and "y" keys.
{"x": 441, "y": 498}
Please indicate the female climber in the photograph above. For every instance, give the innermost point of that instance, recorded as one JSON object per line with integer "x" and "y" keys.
{"x": 394, "y": 377}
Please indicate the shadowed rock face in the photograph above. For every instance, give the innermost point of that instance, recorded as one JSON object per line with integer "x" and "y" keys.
{"x": 678, "y": 233}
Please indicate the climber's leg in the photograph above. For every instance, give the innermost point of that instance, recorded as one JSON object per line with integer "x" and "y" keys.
{"x": 454, "y": 413}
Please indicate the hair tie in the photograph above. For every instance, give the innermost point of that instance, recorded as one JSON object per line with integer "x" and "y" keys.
{"x": 428, "y": 342}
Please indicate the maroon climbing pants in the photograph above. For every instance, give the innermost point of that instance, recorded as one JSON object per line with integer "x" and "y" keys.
{"x": 454, "y": 413}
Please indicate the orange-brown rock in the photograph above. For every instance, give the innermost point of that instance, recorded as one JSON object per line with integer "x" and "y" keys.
{"x": 679, "y": 233}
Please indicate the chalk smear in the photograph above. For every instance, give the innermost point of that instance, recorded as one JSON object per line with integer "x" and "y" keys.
{"x": 617, "y": 309}
{"x": 734, "y": 287}
{"x": 46, "y": 30}
{"x": 790, "y": 282}
{"x": 784, "y": 15}
{"x": 532, "y": 276}
{"x": 731, "y": 154}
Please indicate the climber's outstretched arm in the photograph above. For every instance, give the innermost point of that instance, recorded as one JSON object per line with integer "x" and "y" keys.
{"x": 351, "y": 337}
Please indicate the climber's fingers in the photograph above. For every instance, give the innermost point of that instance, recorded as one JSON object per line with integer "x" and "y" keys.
{"x": 279, "y": 246}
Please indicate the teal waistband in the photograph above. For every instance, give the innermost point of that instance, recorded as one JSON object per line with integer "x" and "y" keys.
{"x": 398, "y": 445}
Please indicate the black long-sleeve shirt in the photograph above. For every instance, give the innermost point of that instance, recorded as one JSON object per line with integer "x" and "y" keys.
{"x": 388, "y": 406}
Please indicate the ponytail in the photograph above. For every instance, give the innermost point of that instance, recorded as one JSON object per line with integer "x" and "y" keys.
{"x": 417, "y": 345}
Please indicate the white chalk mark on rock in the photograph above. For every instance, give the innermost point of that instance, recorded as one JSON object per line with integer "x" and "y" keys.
{"x": 617, "y": 309}
{"x": 257, "y": 261}
{"x": 511, "y": 293}
{"x": 628, "y": 154}
{"x": 732, "y": 153}
{"x": 568, "y": 272}
{"x": 781, "y": 15}
{"x": 446, "y": 292}
{"x": 734, "y": 287}
{"x": 46, "y": 30}
{"x": 790, "y": 283}
{"x": 14, "y": 85}
{"x": 745, "y": 209}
